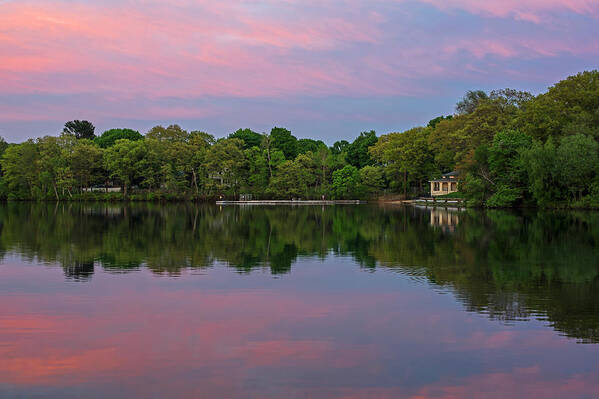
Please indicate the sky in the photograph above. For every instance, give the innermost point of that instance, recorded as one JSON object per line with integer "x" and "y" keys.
{"x": 325, "y": 69}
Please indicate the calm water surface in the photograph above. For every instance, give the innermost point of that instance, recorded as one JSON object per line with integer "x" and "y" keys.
{"x": 303, "y": 302}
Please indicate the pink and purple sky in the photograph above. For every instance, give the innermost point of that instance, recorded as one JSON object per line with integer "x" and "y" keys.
{"x": 326, "y": 69}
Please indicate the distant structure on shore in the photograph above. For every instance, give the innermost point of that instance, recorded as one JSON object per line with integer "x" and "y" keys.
{"x": 447, "y": 184}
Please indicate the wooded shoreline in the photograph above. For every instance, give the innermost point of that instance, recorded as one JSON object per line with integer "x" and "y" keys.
{"x": 506, "y": 148}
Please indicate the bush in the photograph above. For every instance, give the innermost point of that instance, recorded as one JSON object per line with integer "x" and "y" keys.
{"x": 504, "y": 197}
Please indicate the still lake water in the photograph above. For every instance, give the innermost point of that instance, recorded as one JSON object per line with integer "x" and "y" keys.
{"x": 156, "y": 301}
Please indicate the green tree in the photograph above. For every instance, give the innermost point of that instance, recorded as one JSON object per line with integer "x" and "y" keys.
{"x": 470, "y": 101}
{"x": 201, "y": 143}
{"x": 258, "y": 173}
{"x": 434, "y": 122}
{"x": 169, "y": 134}
{"x": 373, "y": 179}
{"x": 567, "y": 108}
{"x": 123, "y": 161}
{"x": 85, "y": 161}
{"x": 340, "y": 147}
{"x": 578, "y": 163}
{"x": 407, "y": 158}
{"x": 541, "y": 166}
{"x": 357, "y": 151}
{"x": 454, "y": 141}
{"x": 498, "y": 176}
{"x": 51, "y": 164}
{"x": 309, "y": 145}
{"x": 19, "y": 165}
{"x": 109, "y": 137}
{"x": 249, "y": 138}
{"x": 346, "y": 183}
{"x": 283, "y": 140}
{"x": 290, "y": 180}
{"x": 226, "y": 166}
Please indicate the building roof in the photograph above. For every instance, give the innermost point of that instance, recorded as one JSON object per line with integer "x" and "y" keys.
{"x": 451, "y": 174}
{"x": 446, "y": 177}
{"x": 448, "y": 180}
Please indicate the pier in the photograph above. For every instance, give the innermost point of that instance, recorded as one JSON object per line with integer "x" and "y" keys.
{"x": 291, "y": 202}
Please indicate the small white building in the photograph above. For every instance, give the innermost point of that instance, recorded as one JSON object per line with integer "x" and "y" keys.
{"x": 447, "y": 184}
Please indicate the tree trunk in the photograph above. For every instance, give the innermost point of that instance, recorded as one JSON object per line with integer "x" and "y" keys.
{"x": 269, "y": 165}
{"x": 195, "y": 182}
{"x": 56, "y": 192}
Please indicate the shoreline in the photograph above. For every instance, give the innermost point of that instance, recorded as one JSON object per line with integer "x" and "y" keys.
{"x": 291, "y": 202}
{"x": 423, "y": 204}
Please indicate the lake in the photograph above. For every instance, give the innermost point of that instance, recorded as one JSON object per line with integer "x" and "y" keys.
{"x": 356, "y": 301}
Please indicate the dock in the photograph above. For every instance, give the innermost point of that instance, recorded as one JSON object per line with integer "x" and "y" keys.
{"x": 291, "y": 202}
{"x": 442, "y": 202}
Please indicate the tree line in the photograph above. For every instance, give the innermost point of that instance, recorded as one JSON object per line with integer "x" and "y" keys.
{"x": 510, "y": 148}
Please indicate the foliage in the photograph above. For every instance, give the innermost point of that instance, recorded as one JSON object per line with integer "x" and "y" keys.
{"x": 357, "y": 151}
{"x": 340, "y": 147}
{"x": 498, "y": 176}
{"x": 309, "y": 145}
{"x": 407, "y": 157}
{"x": 19, "y": 169}
{"x": 225, "y": 164}
{"x": 569, "y": 107}
{"x": 289, "y": 181}
{"x": 470, "y": 101}
{"x": 434, "y": 122}
{"x": 346, "y": 183}
{"x": 373, "y": 179}
{"x": 80, "y": 129}
{"x": 283, "y": 140}
{"x": 249, "y": 137}
{"x": 509, "y": 148}
{"x": 109, "y": 137}
{"x": 123, "y": 161}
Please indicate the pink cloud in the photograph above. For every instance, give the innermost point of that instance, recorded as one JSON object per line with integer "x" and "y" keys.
{"x": 527, "y": 10}
{"x": 124, "y": 58}
{"x": 169, "y": 54}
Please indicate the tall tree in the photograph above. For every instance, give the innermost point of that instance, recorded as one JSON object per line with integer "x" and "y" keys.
{"x": 357, "y": 151}
{"x": 346, "y": 182}
{"x": 434, "y": 122}
{"x": 85, "y": 162}
{"x": 339, "y": 147}
{"x": 569, "y": 107}
{"x": 407, "y": 158}
{"x": 169, "y": 134}
{"x": 226, "y": 166}
{"x": 578, "y": 161}
{"x": 373, "y": 179}
{"x": 309, "y": 145}
{"x": 249, "y": 137}
{"x": 289, "y": 180}
{"x": 470, "y": 101}
{"x": 80, "y": 129}
{"x": 109, "y": 137}
{"x": 283, "y": 140}
{"x": 123, "y": 161}
{"x": 19, "y": 164}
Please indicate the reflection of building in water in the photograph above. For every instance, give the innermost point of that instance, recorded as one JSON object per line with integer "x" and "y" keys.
{"x": 444, "y": 218}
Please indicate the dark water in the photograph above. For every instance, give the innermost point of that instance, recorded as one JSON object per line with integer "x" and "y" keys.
{"x": 305, "y": 302}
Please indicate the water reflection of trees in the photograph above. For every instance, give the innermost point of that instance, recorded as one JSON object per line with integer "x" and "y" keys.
{"x": 507, "y": 265}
